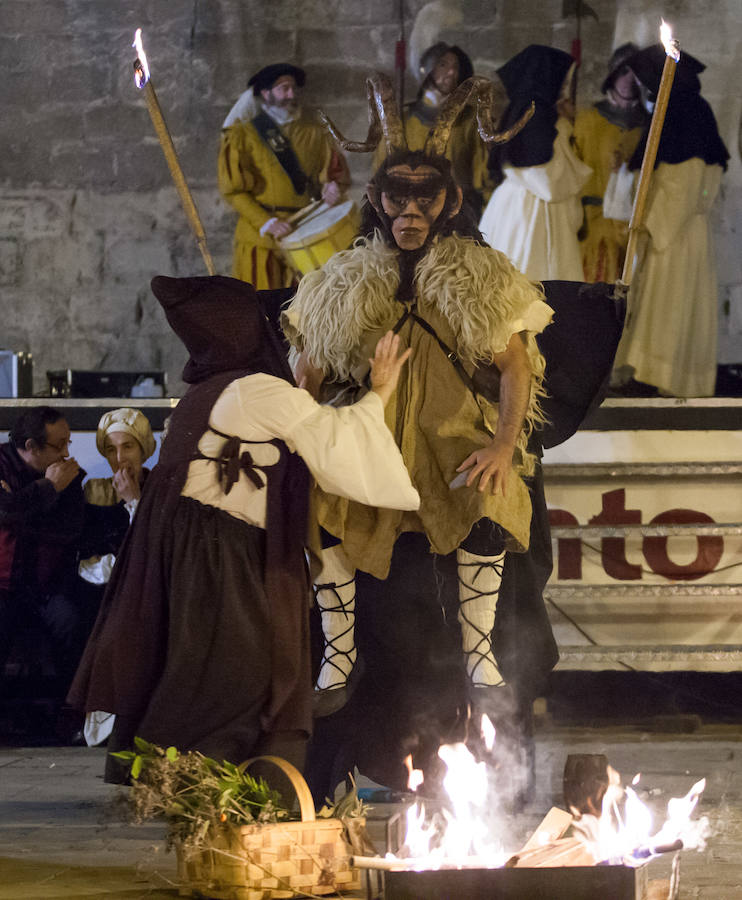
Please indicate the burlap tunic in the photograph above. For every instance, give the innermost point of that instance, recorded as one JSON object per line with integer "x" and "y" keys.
{"x": 474, "y": 300}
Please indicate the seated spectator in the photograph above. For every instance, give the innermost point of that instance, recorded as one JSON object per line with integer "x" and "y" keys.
{"x": 41, "y": 515}
{"x": 125, "y": 438}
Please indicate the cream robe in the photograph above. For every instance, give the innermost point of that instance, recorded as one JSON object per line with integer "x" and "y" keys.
{"x": 533, "y": 217}
{"x": 671, "y": 335}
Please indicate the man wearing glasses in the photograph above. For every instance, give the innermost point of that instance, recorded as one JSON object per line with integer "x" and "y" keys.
{"x": 41, "y": 514}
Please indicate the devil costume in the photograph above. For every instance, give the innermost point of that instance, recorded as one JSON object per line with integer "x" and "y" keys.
{"x": 459, "y": 305}
{"x": 355, "y": 298}
{"x": 202, "y": 640}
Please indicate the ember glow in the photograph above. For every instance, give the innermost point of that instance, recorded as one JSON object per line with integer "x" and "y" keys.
{"x": 141, "y": 71}
{"x": 671, "y": 46}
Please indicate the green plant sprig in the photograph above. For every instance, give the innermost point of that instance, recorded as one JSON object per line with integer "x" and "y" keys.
{"x": 195, "y": 794}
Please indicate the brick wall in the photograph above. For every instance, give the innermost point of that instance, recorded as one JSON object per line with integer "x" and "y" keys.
{"x": 88, "y": 213}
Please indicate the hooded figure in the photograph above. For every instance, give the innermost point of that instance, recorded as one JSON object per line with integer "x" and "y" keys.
{"x": 202, "y": 641}
{"x": 535, "y": 213}
{"x": 670, "y": 340}
{"x": 606, "y": 135}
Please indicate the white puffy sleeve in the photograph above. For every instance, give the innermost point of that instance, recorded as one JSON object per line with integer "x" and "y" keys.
{"x": 349, "y": 450}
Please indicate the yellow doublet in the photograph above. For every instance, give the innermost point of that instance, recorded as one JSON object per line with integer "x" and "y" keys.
{"x": 597, "y": 142}
{"x": 253, "y": 182}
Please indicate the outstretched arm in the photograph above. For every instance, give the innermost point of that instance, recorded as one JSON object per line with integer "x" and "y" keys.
{"x": 495, "y": 461}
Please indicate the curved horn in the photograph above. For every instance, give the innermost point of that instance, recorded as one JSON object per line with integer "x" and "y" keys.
{"x": 386, "y": 108}
{"x": 383, "y": 119}
{"x": 502, "y": 137}
{"x": 491, "y": 100}
{"x": 374, "y": 128}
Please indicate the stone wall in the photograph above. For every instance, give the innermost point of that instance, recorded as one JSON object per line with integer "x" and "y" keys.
{"x": 88, "y": 213}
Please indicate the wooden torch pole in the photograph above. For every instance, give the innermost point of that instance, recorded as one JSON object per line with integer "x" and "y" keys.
{"x": 672, "y": 51}
{"x": 171, "y": 157}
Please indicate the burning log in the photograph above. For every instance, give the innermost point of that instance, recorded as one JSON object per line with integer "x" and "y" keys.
{"x": 563, "y": 852}
{"x": 657, "y": 849}
{"x": 553, "y": 826}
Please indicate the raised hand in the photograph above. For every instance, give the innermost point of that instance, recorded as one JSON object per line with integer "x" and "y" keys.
{"x": 62, "y": 473}
{"x": 127, "y": 487}
{"x": 386, "y": 365}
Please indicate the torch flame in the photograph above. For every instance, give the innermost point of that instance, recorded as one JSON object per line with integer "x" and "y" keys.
{"x": 671, "y": 46}
{"x": 141, "y": 69}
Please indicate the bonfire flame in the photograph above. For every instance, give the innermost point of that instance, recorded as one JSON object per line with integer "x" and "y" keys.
{"x": 464, "y": 833}
{"x": 415, "y": 776}
{"x": 624, "y": 831}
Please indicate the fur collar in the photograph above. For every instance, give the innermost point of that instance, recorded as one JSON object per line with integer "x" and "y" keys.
{"x": 476, "y": 289}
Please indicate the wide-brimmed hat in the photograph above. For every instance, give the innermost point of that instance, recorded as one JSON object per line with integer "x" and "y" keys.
{"x": 269, "y": 75}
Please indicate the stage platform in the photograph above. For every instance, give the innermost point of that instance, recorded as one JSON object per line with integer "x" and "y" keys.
{"x": 646, "y": 510}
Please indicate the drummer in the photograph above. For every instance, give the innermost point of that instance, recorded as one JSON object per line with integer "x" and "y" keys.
{"x": 274, "y": 160}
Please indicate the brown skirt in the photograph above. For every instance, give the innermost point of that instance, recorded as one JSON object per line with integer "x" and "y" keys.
{"x": 198, "y": 675}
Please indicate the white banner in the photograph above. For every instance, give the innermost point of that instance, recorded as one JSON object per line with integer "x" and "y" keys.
{"x": 697, "y": 608}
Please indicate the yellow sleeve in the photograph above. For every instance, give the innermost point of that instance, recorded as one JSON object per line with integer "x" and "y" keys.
{"x": 236, "y": 176}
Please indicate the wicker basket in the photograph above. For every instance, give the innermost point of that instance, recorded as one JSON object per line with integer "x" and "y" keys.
{"x": 267, "y": 862}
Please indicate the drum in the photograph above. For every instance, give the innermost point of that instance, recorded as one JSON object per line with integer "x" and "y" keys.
{"x": 319, "y": 234}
